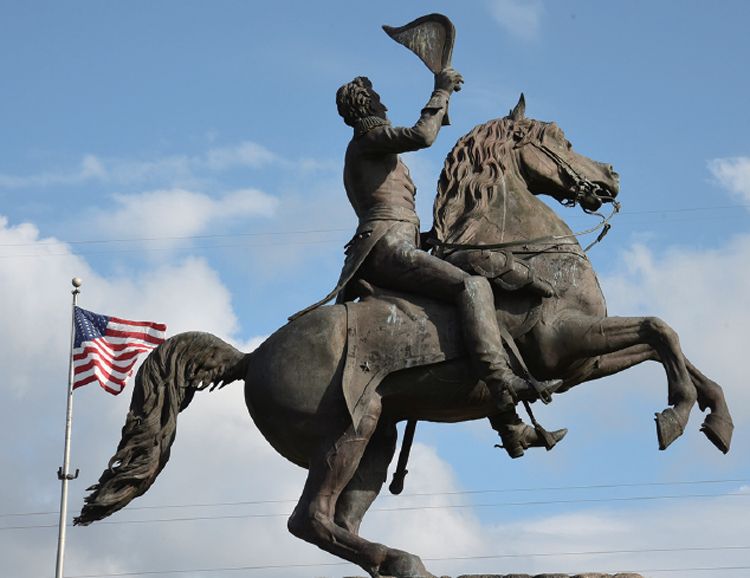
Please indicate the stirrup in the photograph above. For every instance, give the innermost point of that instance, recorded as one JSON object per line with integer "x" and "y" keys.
{"x": 545, "y": 389}
{"x": 508, "y": 398}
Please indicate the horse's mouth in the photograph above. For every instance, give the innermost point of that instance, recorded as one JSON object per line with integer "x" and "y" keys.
{"x": 597, "y": 194}
{"x": 602, "y": 191}
{"x": 591, "y": 202}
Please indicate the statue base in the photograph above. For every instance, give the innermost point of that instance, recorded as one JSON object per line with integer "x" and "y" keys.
{"x": 584, "y": 575}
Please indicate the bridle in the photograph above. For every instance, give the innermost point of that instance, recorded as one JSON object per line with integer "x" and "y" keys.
{"x": 583, "y": 188}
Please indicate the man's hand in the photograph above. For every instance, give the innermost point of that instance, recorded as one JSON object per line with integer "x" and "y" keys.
{"x": 448, "y": 80}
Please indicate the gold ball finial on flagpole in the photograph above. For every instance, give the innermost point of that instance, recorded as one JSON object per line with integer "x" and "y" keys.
{"x": 77, "y": 282}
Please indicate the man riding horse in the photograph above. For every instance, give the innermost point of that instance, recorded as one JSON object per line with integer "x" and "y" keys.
{"x": 386, "y": 252}
{"x": 487, "y": 200}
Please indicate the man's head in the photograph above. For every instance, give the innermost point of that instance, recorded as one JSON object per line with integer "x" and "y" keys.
{"x": 357, "y": 100}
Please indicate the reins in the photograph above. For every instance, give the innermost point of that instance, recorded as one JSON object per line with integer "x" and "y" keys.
{"x": 604, "y": 225}
{"x": 583, "y": 188}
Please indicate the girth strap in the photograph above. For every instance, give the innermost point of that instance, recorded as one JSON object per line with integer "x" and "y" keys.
{"x": 544, "y": 395}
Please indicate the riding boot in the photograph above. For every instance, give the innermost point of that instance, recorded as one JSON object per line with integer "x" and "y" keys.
{"x": 518, "y": 436}
{"x": 484, "y": 343}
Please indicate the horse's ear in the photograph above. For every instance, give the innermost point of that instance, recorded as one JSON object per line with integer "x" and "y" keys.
{"x": 519, "y": 113}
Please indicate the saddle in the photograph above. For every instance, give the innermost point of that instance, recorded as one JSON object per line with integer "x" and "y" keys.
{"x": 417, "y": 331}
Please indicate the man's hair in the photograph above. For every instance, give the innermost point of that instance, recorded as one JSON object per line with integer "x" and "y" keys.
{"x": 353, "y": 100}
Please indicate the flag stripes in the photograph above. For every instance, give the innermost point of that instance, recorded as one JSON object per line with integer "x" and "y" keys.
{"x": 106, "y": 348}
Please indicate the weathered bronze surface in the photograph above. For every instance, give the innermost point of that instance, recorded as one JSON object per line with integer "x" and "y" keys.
{"x": 584, "y": 575}
{"x": 420, "y": 336}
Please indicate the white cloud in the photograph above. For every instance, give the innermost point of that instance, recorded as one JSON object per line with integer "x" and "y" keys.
{"x": 114, "y": 171}
{"x": 247, "y": 154}
{"x": 35, "y": 313}
{"x": 521, "y": 18}
{"x": 613, "y": 540}
{"x": 89, "y": 168}
{"x": 36, "y": 305}
{"x": 92, "y": 167}
{"x": 219, "y": 456}
{"x": 703, "y": 296}
{"x": 733, "y": 174}
{"x": 452, "y": 540}
{"x": 438, "y": 528}
{"x": 179, "y": 212}
{"x": 170, "y": 169}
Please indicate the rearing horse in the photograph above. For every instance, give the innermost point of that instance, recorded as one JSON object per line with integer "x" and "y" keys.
{"x": 487, "y": 197}
{"x": 296, "y": 384}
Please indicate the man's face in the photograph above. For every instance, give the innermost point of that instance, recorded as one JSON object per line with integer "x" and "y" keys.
{"x": 377, "y": 107}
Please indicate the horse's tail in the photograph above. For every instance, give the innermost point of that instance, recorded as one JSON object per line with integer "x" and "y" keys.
{"x": 164, "y": 386}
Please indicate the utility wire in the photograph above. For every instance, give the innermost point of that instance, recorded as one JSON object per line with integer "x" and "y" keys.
{"x": 459, "y": 558}
{"x": 314, "y": 231}
{"x": 340, "y": 241}
{"x": 170, "y": 249}
{"x": 433, "y": 494}
{"x": 397, "y": 509}
{"x": 173, "y": 238}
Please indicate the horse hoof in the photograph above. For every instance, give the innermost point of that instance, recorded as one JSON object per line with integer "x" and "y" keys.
{"x": 400, "y": 564}
{"x": 718, "y": 430}
{"x": 668, "y": 427}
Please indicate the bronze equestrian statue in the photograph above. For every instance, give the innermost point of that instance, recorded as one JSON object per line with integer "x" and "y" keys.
{"x": 327, "y": 389}
{"x": 386, "y": 249}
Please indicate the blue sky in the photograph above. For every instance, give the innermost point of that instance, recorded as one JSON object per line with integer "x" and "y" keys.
{"x": 184, "y": 159}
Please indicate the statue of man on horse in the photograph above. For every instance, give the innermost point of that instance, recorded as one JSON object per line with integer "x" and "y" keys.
{"x": 386, "y": 250}
{"x": 421, "y": 336}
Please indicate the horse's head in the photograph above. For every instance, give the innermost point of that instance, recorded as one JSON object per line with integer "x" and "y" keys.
{"x": 513, "y": 156}
{"x": 550, "y": 166}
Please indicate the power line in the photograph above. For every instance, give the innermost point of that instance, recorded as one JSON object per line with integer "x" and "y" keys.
{"x": 314, "y": 231}
{"x": 173, "y": 238}
{"x": 170, "y": 249}
{"x": 398, "y": 509}
{"x": 459, "y": 558}
{"x": 433, "y": 494}
{"x": 340, "y": 241}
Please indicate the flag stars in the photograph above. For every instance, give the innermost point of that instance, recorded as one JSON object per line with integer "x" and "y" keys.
{"x": 89, "y": 326}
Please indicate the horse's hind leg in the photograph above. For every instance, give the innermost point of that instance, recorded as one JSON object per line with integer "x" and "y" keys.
{"x": 717, "y": 426}
{"x": 368, "y": 480}
{"x": 581, "y": 337}
{"x": 331, "y": 469}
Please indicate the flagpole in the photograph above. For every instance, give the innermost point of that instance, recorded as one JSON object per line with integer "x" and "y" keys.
{"x": 63, "y": 474}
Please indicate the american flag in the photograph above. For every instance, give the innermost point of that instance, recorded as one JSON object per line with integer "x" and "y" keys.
{"x": 105, "y": 349}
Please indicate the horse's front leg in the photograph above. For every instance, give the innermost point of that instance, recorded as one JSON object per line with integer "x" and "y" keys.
{"x": 717, "y": 426}
{"x": 573, "y": 338}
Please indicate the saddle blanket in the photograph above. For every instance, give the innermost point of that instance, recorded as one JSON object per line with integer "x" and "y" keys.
{"x": 389, "y": 331}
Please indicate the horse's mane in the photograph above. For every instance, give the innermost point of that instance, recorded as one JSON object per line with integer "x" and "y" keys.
{"x": 473, "y": 171}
